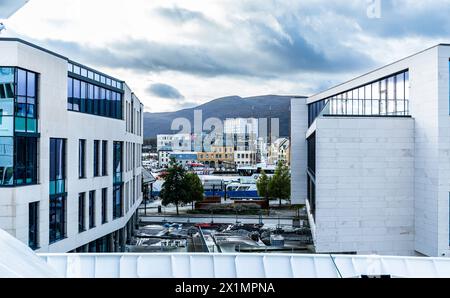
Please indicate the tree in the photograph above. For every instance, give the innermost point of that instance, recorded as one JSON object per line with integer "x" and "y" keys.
{"x": 263, "y": 186}
{"x": 280, "y": 183}
{"x": 173, "y": 190}
{"x": 194, "y": 188}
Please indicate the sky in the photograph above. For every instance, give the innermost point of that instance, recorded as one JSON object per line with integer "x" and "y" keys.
{"x": 179, "y": 54}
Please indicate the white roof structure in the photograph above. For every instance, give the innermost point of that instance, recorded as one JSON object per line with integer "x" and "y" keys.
{"x": 17, "y": 260}
{"x": 244, "y": 266}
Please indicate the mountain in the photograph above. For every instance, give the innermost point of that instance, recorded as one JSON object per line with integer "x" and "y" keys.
{"x": 268, "y": 106}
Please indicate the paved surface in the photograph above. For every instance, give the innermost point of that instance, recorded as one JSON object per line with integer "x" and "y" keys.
{"x": 217, "y": 219}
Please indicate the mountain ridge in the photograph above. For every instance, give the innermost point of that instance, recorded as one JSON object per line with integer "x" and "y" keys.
{"x": 264, "y": 106}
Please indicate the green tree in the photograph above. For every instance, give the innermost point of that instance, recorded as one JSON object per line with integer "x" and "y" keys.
{"x": 280, "y": 183}
{"x": 173, "y": 190}
{"x": 194, "y": 189}
{"x": 263, "y": 186}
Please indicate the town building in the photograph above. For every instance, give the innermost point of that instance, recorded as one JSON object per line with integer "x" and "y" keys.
{"x": 372, "y": 160}
{"x": 70, "y": 152}
{"x": 219, "y": 157}
{"x": 279, "y": 151}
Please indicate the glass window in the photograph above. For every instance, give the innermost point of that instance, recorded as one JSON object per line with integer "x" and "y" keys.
{"x": 25, "y": 170}
{"x": 92, "y": 209}
{"x": 57, "y": 166}
{"x": 57, "y": 218}
{"x": 83, "y": 72}
{"x": 33, "y": 225}
{"x": 104, "y": 205}
{"x": 82, "y": 159}
{"x": 31, "y": 84}
{"x": 96, "y": 158}
{"x": 21, "y": 82}
{"x": 81, "y": 212}
{"x": 117, "y": 201}
{"x": 117, "y": 160}
{"x": 83, "y": 90}
{"x": 105, "y": 158}
{"x": 6, "y": 161}
{"x": 76, "y": 69}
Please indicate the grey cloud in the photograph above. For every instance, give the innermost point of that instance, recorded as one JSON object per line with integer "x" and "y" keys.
{"x": 182, "y": 15}
{"x": 164, "y": 91}
{"x": 317, "y": 36}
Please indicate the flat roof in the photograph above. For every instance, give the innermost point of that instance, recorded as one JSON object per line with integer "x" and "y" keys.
{"x": 14, "y": 39}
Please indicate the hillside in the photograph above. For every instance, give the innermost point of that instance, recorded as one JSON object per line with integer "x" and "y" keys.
{"x": 269, "y": 106}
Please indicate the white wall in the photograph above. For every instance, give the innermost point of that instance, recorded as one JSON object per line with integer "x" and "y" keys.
{"x": 299, "y": 126}
{"x": 364, "y": 185}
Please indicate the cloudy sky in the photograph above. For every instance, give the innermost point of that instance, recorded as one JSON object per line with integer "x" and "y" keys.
{"x": 177, "y": 54}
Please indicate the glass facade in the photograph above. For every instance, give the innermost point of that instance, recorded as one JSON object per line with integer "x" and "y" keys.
{"x": 33, "y": 225}
{"x": 89, "y": 98}
{"x": 117, "y": 180}
{"x": 57, "y": 213}
{"x": 18, "y": 127}
{"x": 90, "y": 74}
{"x": 385, "y": 97}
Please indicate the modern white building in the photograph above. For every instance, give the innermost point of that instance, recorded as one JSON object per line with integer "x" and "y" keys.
{"x": 242, "y": 133}
{"x": 70, "y": 152}
{"x": 372, "y": 163}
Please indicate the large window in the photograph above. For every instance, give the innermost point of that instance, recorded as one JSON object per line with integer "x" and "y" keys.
{"x": 117, "y": 201}
{"x": 104, "y": 205}
{"x": 25, "y": 106}
{"x": 105, "y": 158}
{"x": 57, "y": 215}
{"x": 92, "y": 209}
{"x": 57, "y": 166}
{"x": 33, "y": 225}
{"x": 82, "y": 159}
{"x": 89, "y": 98}
{"x": 117, "y": 180}
{"x": 81, "y": 212}
{"x": 18, "y": 127}
{"x": 311, "y": 142}
{"x": 388, "y": 96}
{"x": 96, "y": 158}
{"x": 57, "y": 211}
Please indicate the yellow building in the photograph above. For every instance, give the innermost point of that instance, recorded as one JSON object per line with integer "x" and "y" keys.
{"x": 219, "y": 157}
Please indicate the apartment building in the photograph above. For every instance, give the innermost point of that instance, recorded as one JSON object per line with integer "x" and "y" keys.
{"x": 372, "y": 163}
{"x": 70, "y": 152}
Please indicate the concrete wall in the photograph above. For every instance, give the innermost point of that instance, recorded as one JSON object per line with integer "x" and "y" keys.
{"x": 55, "y": 121}
{"x": 299, "y": 126}
{"x": 364, "y": 185}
